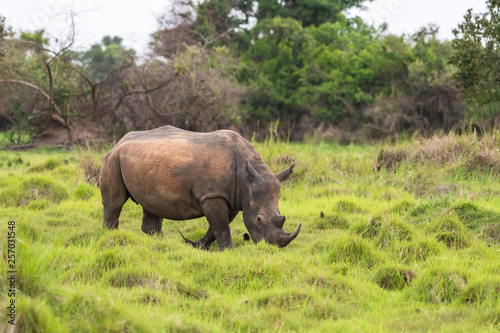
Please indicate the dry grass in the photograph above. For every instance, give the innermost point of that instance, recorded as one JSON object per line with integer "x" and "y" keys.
{"x": 472, "y": 151}
{"x": 90, "y": 161}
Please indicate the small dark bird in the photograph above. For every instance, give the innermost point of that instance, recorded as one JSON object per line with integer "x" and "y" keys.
{"x": 322, "y": 214}
{"x": 246, "y": 237}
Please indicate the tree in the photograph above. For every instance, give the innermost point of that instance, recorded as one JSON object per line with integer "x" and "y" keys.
{"x": 5, "y": 30}
{"x": 308, "y": 12}
{"x": 29, "y": 63}
{"x": 104, "y": 58}
{"x": 476, "y": 54}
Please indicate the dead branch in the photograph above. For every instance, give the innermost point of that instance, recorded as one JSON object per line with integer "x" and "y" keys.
{"x": 56, "y": 116}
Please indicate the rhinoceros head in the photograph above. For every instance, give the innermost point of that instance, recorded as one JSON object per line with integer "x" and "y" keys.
{"x": 261, "y": 213}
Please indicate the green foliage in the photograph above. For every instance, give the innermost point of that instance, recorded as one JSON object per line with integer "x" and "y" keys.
{"x": 303, "y": 62}
{"x": 5, "y": 30}
{"x": 335, "y": 70}
{"x": 103, "y": 58}
{"x": 476, "y": 55}
{"x": 315, "y": 12}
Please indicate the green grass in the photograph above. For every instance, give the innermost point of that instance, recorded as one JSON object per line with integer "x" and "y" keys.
{"x": 410, "y": 247}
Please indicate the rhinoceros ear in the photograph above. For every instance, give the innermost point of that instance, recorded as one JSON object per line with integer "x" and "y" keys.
{"x": 253, "y": 175}
{"x": 283, "y": 175}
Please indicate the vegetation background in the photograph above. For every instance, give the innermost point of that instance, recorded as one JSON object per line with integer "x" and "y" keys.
{"x": 302, "y": 62}
{"x": 399, "y": 235}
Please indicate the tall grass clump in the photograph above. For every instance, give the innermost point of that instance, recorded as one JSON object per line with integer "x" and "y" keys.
{"x": 90, "y": 160}
{"x": 472, "y": 151}
{"x": 450, "y": 231}
{"x": 352, "y": 250}
{"x": 394, "y": 277}
{"x": 32, "y": 188}
{"x": 439, "y": 285}
{"x": 50, "y": 164}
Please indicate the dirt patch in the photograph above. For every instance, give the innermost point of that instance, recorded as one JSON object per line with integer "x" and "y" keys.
{"x": 81, "y": 131}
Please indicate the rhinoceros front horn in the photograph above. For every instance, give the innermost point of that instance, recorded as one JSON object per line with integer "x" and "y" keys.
{"x": 285, "y": 238}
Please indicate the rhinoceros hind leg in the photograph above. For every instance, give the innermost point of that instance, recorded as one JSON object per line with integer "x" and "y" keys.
{"x": 113, "y": 191}
{"x": 151, "y": 224}
{"x": 111, "y": 216}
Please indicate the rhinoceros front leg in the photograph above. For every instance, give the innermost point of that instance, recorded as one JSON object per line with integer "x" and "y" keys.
{"x": 206, "y": 241}
{"x": 151, "y": 224}
{"x": 217, "y": 213}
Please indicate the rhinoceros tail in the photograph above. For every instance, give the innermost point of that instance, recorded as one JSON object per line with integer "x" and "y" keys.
{"x": 187, "y": 241}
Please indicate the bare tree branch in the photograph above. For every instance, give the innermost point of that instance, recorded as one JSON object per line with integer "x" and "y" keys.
{"x": 57, "y": 116}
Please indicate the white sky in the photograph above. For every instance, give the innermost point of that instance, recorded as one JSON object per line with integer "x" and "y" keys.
{"x": 407, "y": 16}
{"x": 134, "y": 20}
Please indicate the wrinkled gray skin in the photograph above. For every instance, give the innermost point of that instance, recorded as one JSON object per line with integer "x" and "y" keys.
{"x": 182, "y": 175}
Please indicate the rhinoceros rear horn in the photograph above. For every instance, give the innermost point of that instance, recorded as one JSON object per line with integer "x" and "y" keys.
{"x": 253, "y": 175}
{"x": 278, "y": 221}
{"x": 283, "y": 175}
{"x": 285, "y": 238}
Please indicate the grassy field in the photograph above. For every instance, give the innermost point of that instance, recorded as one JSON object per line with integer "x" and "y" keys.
{"x": 409, "y": 241}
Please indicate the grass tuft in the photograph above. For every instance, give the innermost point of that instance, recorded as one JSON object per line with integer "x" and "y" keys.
{"x": 130, "y": 277}
{"x": 481, "y": 291}
{"x": 394, "y": 278}
{"x": 491, "y": 233}
{"x": 50, "y": 164}
{"x": 91, "y": 163}
{"x": 352, "y": 250}
{"x": 332, "y": 221}
{"x": 33, "y": 188}
{"x": 450, "y": 231}
{"x": 439, "y": 285}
